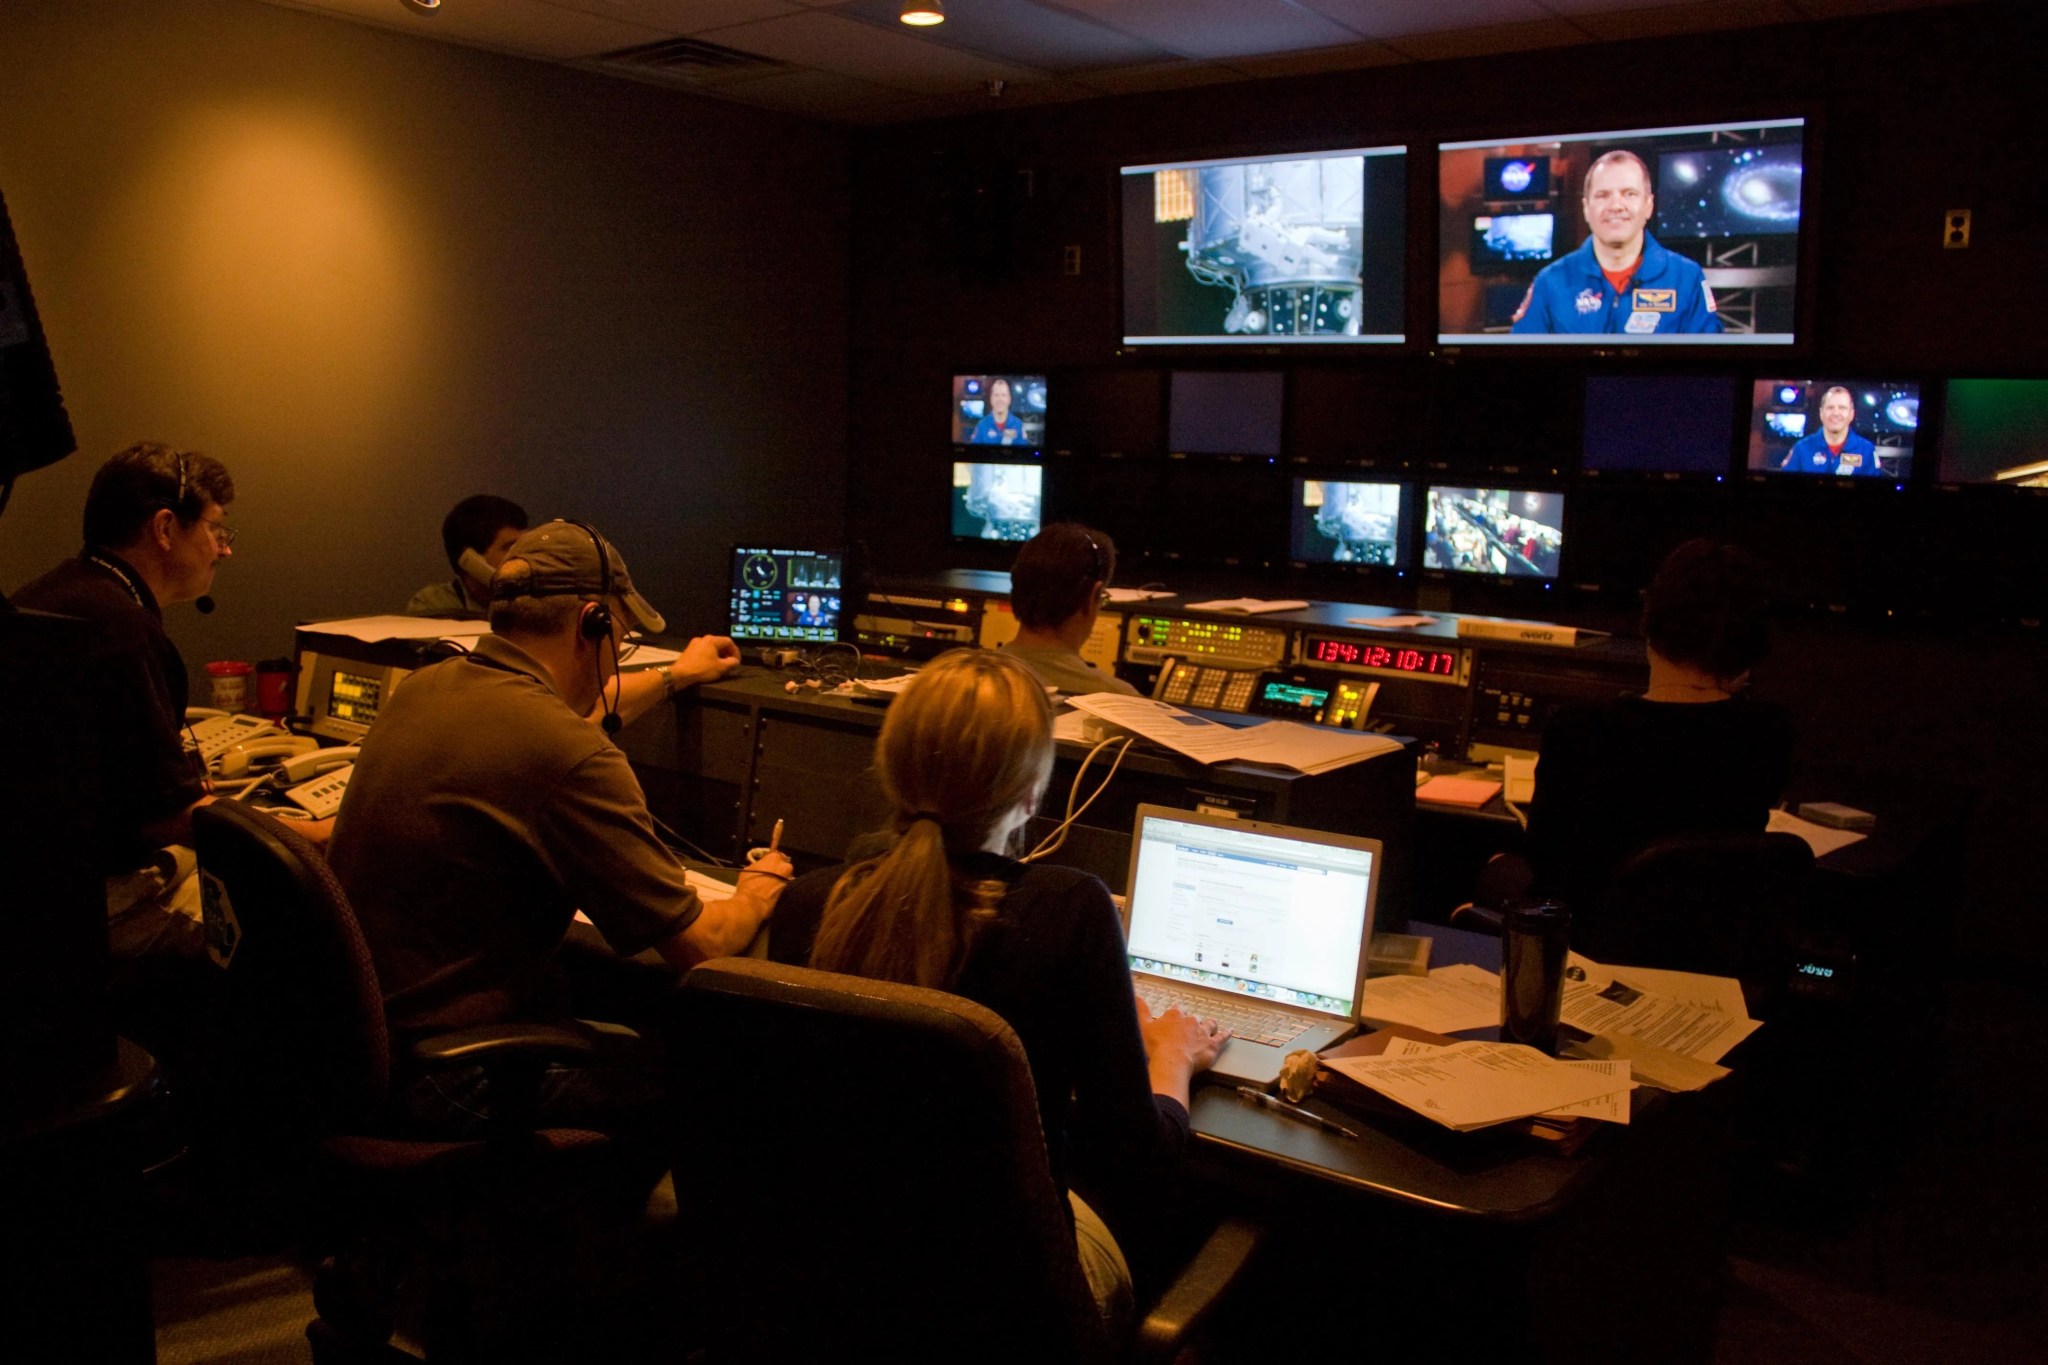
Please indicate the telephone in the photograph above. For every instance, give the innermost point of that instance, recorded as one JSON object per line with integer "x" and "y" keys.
{"x": 321, "y": 778}
{"x": 475, "y": 565}
{"x": 215, "y": 732}
{"x": 236, "y": 762}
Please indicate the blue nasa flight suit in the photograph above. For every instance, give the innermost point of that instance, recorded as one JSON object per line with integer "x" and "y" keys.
{"x": 987, "y": 433}
{"x": 1667, "y": 296}
{"x": 1810, "y": 455}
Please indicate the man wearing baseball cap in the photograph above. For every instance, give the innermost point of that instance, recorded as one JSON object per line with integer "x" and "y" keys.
{"x": 485, "y": 810}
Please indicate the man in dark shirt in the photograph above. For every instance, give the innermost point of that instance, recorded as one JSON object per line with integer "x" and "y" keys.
{"x": 154, "y": 534}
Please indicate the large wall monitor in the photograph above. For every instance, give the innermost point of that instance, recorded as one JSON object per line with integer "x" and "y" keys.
{"x": 780, "y": 594}
{"x": 1303, "y": 247}
{"x": 1360, "y": 524}
{"x": 1647, "y": 236}
{"x": 999, "y": 410}
{"x": 1995, "y": 431}
{"x": 1501, "y": 531}
{"x": 1835, "y": 428}
{"x": 1225, "y": 413}
{"x": 997, "y": 501}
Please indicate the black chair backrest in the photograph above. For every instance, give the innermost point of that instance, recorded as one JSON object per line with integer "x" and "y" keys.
{"x": 866, "y": 1166}
{"x": 1725, "y": 904}
{"x": 306, "y": 1047}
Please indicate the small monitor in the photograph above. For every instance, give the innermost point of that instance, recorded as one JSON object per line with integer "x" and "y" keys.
{"x": 1504, "y": 241}
{"x": 1505, "y": 532}
{"x": 1517, "y": 177}
{"x": 997, "y": 501}
{"x": 798, "y": 596}
{"x": 1226, "y": 413}
{"x": 1364, "y": 525}
{"x": 1834, "y": 428}
{"x": 1660, "y": 424}
{"x": 1996, "y": 431}
{"x": 999, "y": 410}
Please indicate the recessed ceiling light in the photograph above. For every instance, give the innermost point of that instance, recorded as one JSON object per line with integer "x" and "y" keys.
{"x": 425, "y": 7}
{"x": 923, "y": 13}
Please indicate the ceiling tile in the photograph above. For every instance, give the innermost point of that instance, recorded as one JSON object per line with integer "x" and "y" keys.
{"x": 680, "y": 16}
{"x": 1399, "y": 18}
{"x": 1688, "y": 18}
{"x": 1571, "y": 9}
{"x": 1843, "y": 9}
{"x": 1352, "y": 57}
{"x": 526, "y": 28}
{"x": 1216, "y": 29}
{"x": 1018, "y": 31}
{"x": 831, "y": 43}
{"x": 1481, "y": 42}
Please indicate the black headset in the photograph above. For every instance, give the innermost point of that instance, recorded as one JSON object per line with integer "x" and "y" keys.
{"x": 1098, "y": 562}
{"x": 596, "y": 623}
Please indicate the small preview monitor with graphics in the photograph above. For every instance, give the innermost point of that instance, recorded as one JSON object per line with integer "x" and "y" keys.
{"x": 1283, "y": 248}
{"x": 1507, "y": 532}
{"x": 1660, "y": 424}
{"x": 1835, "y": 428}
{"x": 999, "y": 410}
{"x": 1658, "y": 235}
{"x": 1995, "y": 431}
{"x": 1361, "y": 524}
{"x": 793, "y": 595}
{"x": 997, "y": 501}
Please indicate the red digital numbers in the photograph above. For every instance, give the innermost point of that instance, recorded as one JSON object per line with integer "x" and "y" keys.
{"x": 1441, "y": 662}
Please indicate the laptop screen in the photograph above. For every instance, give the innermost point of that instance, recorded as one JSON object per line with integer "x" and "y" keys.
{"x": 1280, "y": 914}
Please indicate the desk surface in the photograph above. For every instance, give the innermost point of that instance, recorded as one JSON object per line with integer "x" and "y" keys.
{"x": 1488, "y": 1175}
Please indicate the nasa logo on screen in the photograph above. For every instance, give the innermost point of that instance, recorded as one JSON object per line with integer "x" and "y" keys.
{"x": 1588, "y": 301}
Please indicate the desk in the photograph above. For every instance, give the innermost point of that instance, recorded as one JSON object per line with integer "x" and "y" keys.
{"x": 1457, "y": 1244}
{"x": 743, "y": 753}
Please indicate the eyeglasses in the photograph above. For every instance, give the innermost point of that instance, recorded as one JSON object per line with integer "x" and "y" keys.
{"x": 222, "y": 532}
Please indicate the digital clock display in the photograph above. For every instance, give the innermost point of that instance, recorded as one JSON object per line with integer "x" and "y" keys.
{"x": 1429, "y": 663}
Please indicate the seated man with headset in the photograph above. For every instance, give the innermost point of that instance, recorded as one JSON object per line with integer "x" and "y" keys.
{"x": 485, "y": 811}
{"x": 1057, "y": 588}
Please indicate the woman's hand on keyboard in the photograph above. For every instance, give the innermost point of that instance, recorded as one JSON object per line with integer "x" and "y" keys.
{"x": 1177, "y": 1046}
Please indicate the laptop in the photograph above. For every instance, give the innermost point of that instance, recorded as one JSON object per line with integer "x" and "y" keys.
{"x": 1260, "y": 926}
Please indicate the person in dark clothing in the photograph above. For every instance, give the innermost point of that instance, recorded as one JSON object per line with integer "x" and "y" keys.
{"x": 1694, "y": 754}
{"x": 964, "y": 757}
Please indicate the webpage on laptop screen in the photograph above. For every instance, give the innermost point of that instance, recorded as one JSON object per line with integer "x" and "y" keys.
{"x": 1279, "y": 919}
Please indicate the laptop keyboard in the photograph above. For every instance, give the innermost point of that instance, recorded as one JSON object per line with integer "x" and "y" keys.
{"x": 1253, "y": 1022}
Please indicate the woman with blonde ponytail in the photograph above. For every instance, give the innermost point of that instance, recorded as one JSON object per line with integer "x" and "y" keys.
{"x": 963, "y": 758}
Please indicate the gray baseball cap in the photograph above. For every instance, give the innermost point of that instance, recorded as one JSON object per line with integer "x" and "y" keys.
{"x": 561, "y": 560}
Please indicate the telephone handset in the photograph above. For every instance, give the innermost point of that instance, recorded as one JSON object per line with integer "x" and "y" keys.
{"x": 475, "y": 565}
{"x": 322, "y": 779}
{"x": 238, "y": 761}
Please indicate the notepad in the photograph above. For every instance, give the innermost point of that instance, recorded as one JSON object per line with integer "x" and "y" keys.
{"x": 1458, "y": 791}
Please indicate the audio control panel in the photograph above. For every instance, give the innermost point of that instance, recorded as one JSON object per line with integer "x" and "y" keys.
{"x": 1151, "y": 640}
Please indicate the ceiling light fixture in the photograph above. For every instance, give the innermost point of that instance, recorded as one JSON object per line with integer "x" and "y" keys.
{"x": 425, "y": 8}
{"x": 923, "y": 13}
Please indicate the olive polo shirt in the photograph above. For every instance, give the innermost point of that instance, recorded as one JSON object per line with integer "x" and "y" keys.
{"x": 481, "y": 815}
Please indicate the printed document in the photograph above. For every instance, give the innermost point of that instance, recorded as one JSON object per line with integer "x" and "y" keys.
{"x": 1448, "y": 1000}
{"x": 1608, "y": 1108}
{"x": 1276, "y": 743}
{"x": 1475, "y": 1085}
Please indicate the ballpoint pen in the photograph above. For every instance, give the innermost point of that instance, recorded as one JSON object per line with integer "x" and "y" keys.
{"x": 1308, "y": 1116}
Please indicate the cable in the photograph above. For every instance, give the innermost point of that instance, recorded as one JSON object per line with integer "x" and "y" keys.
{"x": 1051, "y": 842}
{"x": 670, "y": 837}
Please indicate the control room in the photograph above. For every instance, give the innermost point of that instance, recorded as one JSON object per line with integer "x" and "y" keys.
{"x": 1284, "y": 322}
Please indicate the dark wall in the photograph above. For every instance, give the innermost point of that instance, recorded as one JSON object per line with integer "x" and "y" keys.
{"x": 375, "y": 273}
{"x": 1911, "y": 639}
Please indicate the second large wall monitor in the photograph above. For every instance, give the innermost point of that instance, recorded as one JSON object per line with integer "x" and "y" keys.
{"x": 1303, "y": 247}
{"x": 1657, "y": 236}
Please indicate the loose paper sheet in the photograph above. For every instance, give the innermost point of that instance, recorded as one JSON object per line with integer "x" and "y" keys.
{"x": 1610, "y": 1108}
{"x": 1474, "y": 1085}
{"x": 1448, "y": 1000}
{"x": 374, "y": 629}
{"x": 1821, "y": 838}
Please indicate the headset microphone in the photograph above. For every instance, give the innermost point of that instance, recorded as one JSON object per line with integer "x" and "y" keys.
{"x": 204, "y": 605}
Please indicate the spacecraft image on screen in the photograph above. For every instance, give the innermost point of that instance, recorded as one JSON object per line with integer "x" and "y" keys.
{"x": 999, "y": 410}
{"x": 1995, "y": 431}
{"x": 1504, "y": 239}
{"x": 1348, "y": 523}
{"x": 1837, "y": 428}
{"x": 1660, "y": 236}
{"x": 1269, "y": 250}
{"x": 997, "y": 501}
{"x": 1500, "y": 531}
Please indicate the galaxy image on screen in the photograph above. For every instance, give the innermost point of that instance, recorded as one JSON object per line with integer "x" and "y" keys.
{"x": 1729, "y": 191}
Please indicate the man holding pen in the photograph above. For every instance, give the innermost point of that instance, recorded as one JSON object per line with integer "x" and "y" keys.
{"x": 485, "y": 811}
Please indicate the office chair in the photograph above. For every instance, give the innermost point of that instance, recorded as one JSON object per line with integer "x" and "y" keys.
{"x": 303, "y": 1087}
{"x": 877, "y": 1185}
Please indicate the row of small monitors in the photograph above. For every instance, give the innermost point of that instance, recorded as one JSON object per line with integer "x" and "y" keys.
{"x": 1687, "y": 235}
{"x": 1499, "y": 532}
{"x": 1994, "y": 430}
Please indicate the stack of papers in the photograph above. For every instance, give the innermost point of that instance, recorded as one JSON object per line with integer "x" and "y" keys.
{"x": 376, "y": 629}
{"x": 1448, "y": 1000}
{"x": 1476, "y": 1085}
{"x": 1275, "y": 744}
{"x": 1458, "y": 791}
{"x": 1695, "y": 1016}
{"x": 1250, "y": 606}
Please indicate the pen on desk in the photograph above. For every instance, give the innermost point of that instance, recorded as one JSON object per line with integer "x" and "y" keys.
{"x": 775, "y": 838}
{"x": 1308, "y": 1116}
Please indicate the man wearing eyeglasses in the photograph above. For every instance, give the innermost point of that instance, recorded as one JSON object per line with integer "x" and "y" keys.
{"x": 155, "y": 532}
